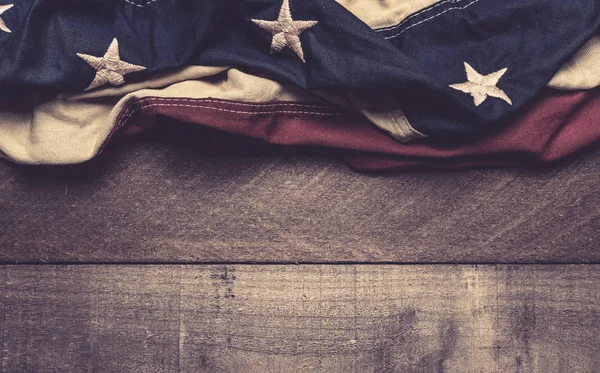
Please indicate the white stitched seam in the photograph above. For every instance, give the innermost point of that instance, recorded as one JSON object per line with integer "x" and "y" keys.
{"x": 416, "y": 14}
{"x": 234, "y": 103}
{"x": 126, "y": 117}
{"x": 141, "y": 5}
{"x": 430, "y": 18}
{"x": 238, "y": 111}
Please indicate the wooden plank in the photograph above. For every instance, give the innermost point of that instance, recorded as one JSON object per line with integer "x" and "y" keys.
{"x": 89, "y": 319}
{"x": 153, "y": 202}
{"x": 3, "y": 281}
{"x": 319, "y": 318}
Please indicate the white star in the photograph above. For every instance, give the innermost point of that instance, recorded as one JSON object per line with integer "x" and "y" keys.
{"x": 4, "y": 8}
{"x": 285, "y": 30}
{"x": 109, "y": 68}
{"x": 481, "y": 86}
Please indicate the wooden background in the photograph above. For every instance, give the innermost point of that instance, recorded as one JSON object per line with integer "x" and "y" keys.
{"x": 162, "y": 258}
{"x": 162, "y": 203}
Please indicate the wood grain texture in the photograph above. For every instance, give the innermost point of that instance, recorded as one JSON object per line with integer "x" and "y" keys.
{"x": 163, "y": 202}
{"x": 319, "y": 318}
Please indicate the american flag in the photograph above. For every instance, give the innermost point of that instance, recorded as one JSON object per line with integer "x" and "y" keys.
{"x": 404, "y": 83}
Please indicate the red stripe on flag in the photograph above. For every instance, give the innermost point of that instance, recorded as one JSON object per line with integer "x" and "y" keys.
{"x": 555, "y": 125}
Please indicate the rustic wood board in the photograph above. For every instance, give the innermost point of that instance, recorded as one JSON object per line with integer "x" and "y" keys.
{"x": 153, "y": 202}
{"x": 286, "y": 318}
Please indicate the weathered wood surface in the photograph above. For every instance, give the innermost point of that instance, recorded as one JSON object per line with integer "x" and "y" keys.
{"x": 154, "y": 202}
{"x": 318, "y": 318}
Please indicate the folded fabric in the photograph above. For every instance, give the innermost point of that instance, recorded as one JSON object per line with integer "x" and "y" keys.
{"x": 443, "y": 72}
{"x": 75, "y": 129}
{"x": 455, "y": 67}
{"x": 582, "y": 71}
{"x": 555, "y": 125}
